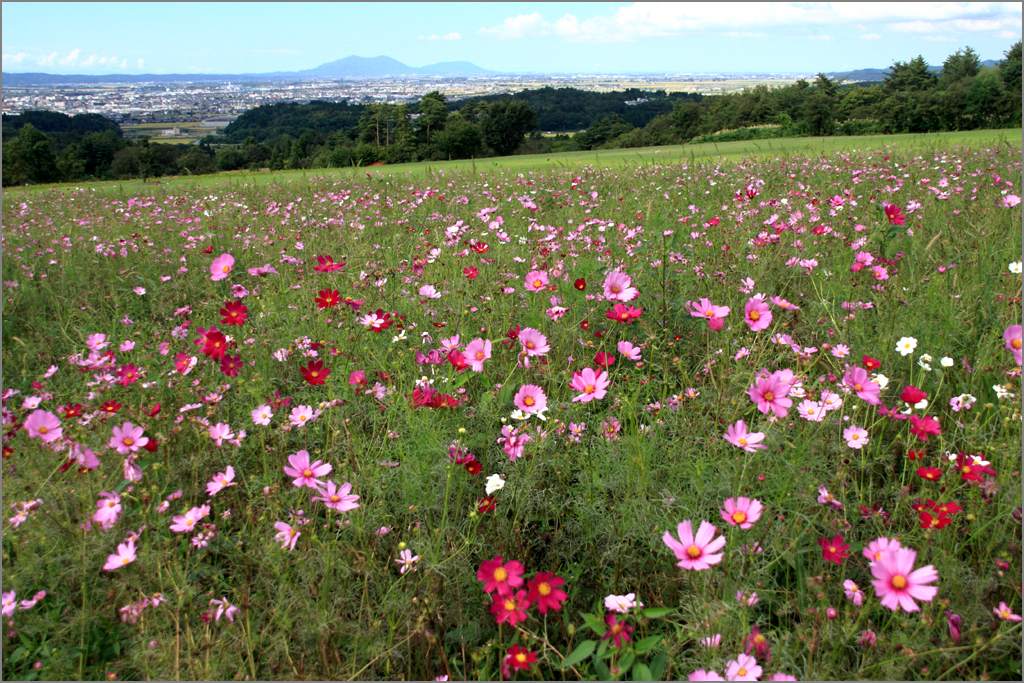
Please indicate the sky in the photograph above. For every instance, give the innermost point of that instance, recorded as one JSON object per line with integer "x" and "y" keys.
{"x": 252, "y": 37}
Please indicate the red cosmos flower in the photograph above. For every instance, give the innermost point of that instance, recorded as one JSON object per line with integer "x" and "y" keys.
{"x": 327, "y": 298}
{"x": 429, "y": 397}
{"x": 213, "y": 341}
{"x": 585, "y": 325}
{"x": 458, "y": 360}
{"x": 127, "y": 374}
{"x": 154, "y": 411}
{"x": 624, "y": 314}
{"x": 110, "y": 407}
{"x": 152, "y": 444}
{"x": 912, "y": 395}
{"x": 544, "y": 592}
{"x": 834, "y": 549}
{"x": 914, "y": 455}
{"x": 870, "y": 363}
{"x": 756, "y": 642}
{"x": 929, "y": 473}
{"x": 498, "y": 575}
{"x": 604, "y": 360}
{"x": 326, "y": 264}
{"x": 894, "y": 214}
{"x": 930, "y": 521}
{"x": 72, "y": 410}
{"x": 485, "y": 505}
{"x": 618, "y": 631}
{"x": 234, "y": 313}
{"x": 208, "y": 250}
{"x": 479, "y": 247}
{"x": 580, "y": 284}
{"x": 518, "y": 658}
{"x": 923, "y": 427}
{"x": 513, "y": 333}
{"x": 510, "y": 609}
{"x": 473, "y": 466}
{"x": 950, "y": 508}
{"x": 377, "y": 322}
{"x": 315, "y": 373}
{"x": 970, "y": 471}
{"x": 230, "y": 365}
{"x": 470, "y": 272}
{"x": 354, "y": 304}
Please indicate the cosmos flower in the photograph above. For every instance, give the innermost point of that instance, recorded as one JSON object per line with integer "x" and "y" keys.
{"x": 696, "y": 552}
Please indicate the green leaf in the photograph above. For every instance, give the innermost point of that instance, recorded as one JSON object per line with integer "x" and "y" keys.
{"x": 658, "y": 666}
{"x": 642, "y": 673}
{"x": 646, "y": 644}
{"x": 626, "y": 662}
{"x": 656, "y": 612}
{"x": 596, "y": 624}
{"x": 582, "y": 651}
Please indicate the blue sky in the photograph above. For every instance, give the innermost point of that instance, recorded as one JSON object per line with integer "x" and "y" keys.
{"x": 524, "y": 37}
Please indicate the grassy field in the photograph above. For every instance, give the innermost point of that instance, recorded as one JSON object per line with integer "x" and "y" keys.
{"x": 461, "y": 421}
{"x": 612, "y": 158}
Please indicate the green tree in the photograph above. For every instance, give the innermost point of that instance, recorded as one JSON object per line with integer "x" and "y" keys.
{"x": 912, "y": 76}
{"x": 433, "y": 113}
{"x": 1010, "y": 70}
{"x": 505, "y": 123}
{"x": 460, "y": 139}
{"x": 960, "y": 65}
{"x": 29, "y": 158}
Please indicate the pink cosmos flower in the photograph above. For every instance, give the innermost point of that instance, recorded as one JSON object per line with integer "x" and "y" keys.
{"x": 536, "y": 280}
{"x": 738, "y": 436}
{"x": 286, "y": 535}
{"x": 84, "y": 456}
{"x": 221, "y": 481}
{"x": 1004, "y": 612}
{"x": 715, "y": 315}
{"x": 512, "y": 442}
{"x": 498, "y": 575}
{"x": 1012, "y": 340}
{"x": 477, "y": 351}
{"x": 855, "y": 437}
{"x": 898, "y": 584}
{"x": 770, "y": 392}
{"x": 407, "y": 561}
{"x": 591, "y": 385}
{"x": 857, "y": 379}
{"x": 853, "y": 592}
{"x": 338, "y": 498}
{"x": 261, "y": 415}
{"x": 127, "y": 438}
{"x": 705, "y": 675}
{"x": 301, "y": 415}
{"x": 758, "y": 315}
{"x": 781, "y": 677}
{"x": 108, "y": 509}
{"x": 186, "y": 523}
{"x": 872, "y": 552}
{"x": 124, "y": 556}
{"x": 695, "y": 552}
{"x": 531, "y": 399}
{"x": 628, "y": 350}
{"x": 43, "y": 425}
{"x": 220, "y": 433}
{"x": 742, "y": 512}
{"x": 618, "y": 287}
{"x": 304, "y": 472}
{"x": 743, "y": 668}
{"x": 223, "y": 609}
{"x": 221, "y": 267}
{"x": 534, "y": 343}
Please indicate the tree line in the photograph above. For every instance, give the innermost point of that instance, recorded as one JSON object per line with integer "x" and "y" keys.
{"x": 48, "y": 146}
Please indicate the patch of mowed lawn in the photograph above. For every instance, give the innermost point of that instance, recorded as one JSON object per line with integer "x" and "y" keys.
{"x": 434, "y": 264}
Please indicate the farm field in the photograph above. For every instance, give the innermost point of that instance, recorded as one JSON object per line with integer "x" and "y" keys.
{"x": 749, "y": 411}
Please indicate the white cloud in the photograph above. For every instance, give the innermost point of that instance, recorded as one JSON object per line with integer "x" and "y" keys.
{"x": 71, "y": 57}
{"x": 871, "y": 36}
{"x": 47, "y": 60}
{"x": 642, "y": 20}
{"x": 15, "y": 57}
{"x": 454, "y": 35}
{"x": 140, "y": 63}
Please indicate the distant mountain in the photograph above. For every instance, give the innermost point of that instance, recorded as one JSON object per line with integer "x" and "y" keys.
{"x": 878, "y": 75}
{"x": 350, "y": 67}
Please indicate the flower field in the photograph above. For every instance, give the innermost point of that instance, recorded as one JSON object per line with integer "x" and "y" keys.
{"x": 747, "y": 421}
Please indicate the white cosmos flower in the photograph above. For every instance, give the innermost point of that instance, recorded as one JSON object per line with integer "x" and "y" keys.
{"x": 494, "y": 483}
{"x": 906, "y": 345}
{"x": 1015, "y": 267}
{"x": 946, "y": 362}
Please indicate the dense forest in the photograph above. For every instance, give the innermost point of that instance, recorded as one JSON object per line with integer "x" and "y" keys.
{"x": 47, "y": 146}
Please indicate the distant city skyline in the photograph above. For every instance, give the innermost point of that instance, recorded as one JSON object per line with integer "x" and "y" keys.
{"x": 235, "y": 38}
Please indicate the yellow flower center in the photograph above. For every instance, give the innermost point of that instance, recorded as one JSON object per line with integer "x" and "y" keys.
{"x": 899, "y": 582}
{"x": 858, "y": 387}
{"x": 589, "y": 389}
{"x": 1016, "y": 343}
{"x": 500, "y": 574}
{"x": 693, "y": 551}
{"x": 709, "y": 313}
{"x": 538, "y": 283}
{"x": 544, "y": 588}
{"x": 754, "y": 315}
{"x": 739, "y": 516}
{"x": 128, "y": 441}
{"x": 225, "y": 269}
{"x": 307, "y": 472}
{"x": 44, "y": 429}
{"x": 479, "y": 355}
{"x": 742, "y": 441}
{"x": 528, "y": 401}
{"x": 530, "y": 345}
{"x": 742, "y": 671}
{"x": 510, "y": 605}
{"x": 335, "y": 498}
{"x": 769, "y": 396}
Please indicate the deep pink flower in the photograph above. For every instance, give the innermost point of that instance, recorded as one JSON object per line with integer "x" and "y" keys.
{"x": 593, "y": 386}
{"x": 221, "y": 267}
{"x": 697, "y": 552}
{"x": 304, "y": 472}
{"x": 531, "y": 399}
{"x": 742, "y": 512}
{"x": 738, "y": 436}
{"x": 858, "y": 381}
{"x": 618, "y": 287}
{"x": 898, "y": 584}
{"x": 498, "y": 575}
{"x": 771, "y": 392}
{"x": 758, "y": 314}
{"x": 1012, "y": 340}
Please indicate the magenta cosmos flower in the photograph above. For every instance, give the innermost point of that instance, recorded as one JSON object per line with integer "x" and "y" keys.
{"x": 534, "y": 343}
{"x": 898, "y": 584}
{"x": 742, "y": 512}
{"x": 127, "y": 438}
{"x": 221, "y": 267}
{"x": 477, "y": 351}
{"x": 498, "y": 575}
{"x": 1012, "y": 338}
{"x": 536, "y": 280}
{"x": 42, "y": 424}
{"x": 591, "y": 385}
{"x": 338, "y": 498}
{"x": 715, "y": 315}
{"x": 695, "y": 552}
{"x": 770, "y": 392}
{"x": 531, "y": 399}
{"x": 304, "y": 472}
{"x": 738, "y": 436}
{"x": 860, "y": 383}
{"x": 758, "y": 315}
{"x": 618, "y": 286}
